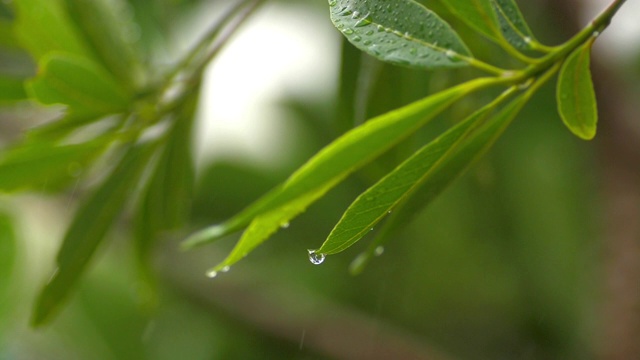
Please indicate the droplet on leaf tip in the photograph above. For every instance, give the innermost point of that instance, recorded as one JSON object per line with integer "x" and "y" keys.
{"x": 211, "y": 274}
{"x": 316, "y": 258}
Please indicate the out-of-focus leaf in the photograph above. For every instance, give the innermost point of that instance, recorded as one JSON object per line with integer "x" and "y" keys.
{"x": 43, "y": 26}
{"x": 88, "y": 229}
{"x": 401, "y": 32}
{"x": 330, "y": 166}
{"x": 8, "y": 250}
{"x": 11, "y": 89}
{"x": 83, "y": 86}
{"x": 167, "y": 200}
{"x": 45, "y": 166}
{"x": 575, "y": 93}
{"x": 512, "y": 24}
{"x": 380, "y": 199}
{"x": 478, "y": 14}
{"x": 108, "y": 27}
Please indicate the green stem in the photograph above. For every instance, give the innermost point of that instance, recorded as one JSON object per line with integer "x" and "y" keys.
{"x": 595, "y": 27}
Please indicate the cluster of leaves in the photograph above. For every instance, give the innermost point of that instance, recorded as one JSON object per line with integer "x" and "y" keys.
{"x": 406, "y": 33}
{"x": 119, "y": 116}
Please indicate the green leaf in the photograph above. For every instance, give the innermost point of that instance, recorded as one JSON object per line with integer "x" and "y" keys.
{"x": 331, "y": 165}
{"x": 265, "y": 225}
{"x": 89, "y": 227}
{"x": 45, "y": 166}
{"x": 400, "y": 32}
{"x": 168, "y": 196}
{"x": 8, "y": 249}
{"x": 43, "y": 26}
{"x": 575, "y": 94}
{"x": 380, "y": 199}
{"x": 11, "y": 89}
{"x": 85, "y": 87}
{"x": 110, "y": 31}
{"x": 477, "y": 14}
{"x": 448, "y": 169}
{"x": 512, "y": 24}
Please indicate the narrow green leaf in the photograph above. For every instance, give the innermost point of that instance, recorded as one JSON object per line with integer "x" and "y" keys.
{"x": 575, "y": 94}
{"x": 450, "y": 167}
{"x": 11, "y": 89}
{"x": 512, "y": 24}
{"x": 89, "y": 227}
{"x": 110, "y": 31}
{"x": 43, "y": 26}
{"x": 477, "y": 14}
{"x": 265, "y": 225}
{"x": 343, "y": 156}
{"x": 168, "y": 196}
{"x": 380, "y": 199}
{"x": 45, "y": 166}
{"x": 400, "y": 32}
{"x": 85, "y": 87}
{"x": 8, "y": 249}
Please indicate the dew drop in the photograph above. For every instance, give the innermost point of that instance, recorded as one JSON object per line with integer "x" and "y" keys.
{"x": 347, "y": 31}
{"x": 356, "y": 38}
{"x": 284, "y": 225}
{"x": 315, "y": 258}
{"x": 527, "y": 39}
{"x": 211, "y": 274}
{"x": 595, "y": 33}
{"x": 379, "y": 251}
{"x": 367, "y": 42}
{"x": 333, "y": 3}
{"x": 227, "y": 268}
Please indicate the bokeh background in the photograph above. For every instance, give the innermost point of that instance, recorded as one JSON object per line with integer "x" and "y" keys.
{"x": 533, "y": 254}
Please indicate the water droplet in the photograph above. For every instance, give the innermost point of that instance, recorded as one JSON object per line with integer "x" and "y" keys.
{"x": 389, "y": 212}
{"x": 211, "y": 274}
{"x": 369, "y": 33}
{"x": 527, "y": 39}
{"x": 450, "y": 54}
{"x": 380, "y": 28}
{"x": 595, "y": 33}
{"x": 227, "y": 268}
{"x": 371, "y": 229}
{"x": 315, "y": 258}
{"x": 356, "y": 38}
{"x": 333, "y": 3}
{"x": 379, "y": 251}
{"x": 284, "y": 225}
{"x": 347, "y": 31}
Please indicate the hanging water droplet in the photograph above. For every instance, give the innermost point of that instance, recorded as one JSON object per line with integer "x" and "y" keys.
{"x": 284, "y": 225}
{"x": 315, "y": 258}
{"x": 527, "y": 39}
{"x": 347, "y": 31}
{"x": 227, "y": 268}
{"x": 379, "y": 250}
{"x": 211, "y": 274}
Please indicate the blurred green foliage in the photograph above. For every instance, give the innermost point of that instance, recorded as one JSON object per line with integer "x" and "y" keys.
{"x": 503, "y": 265}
